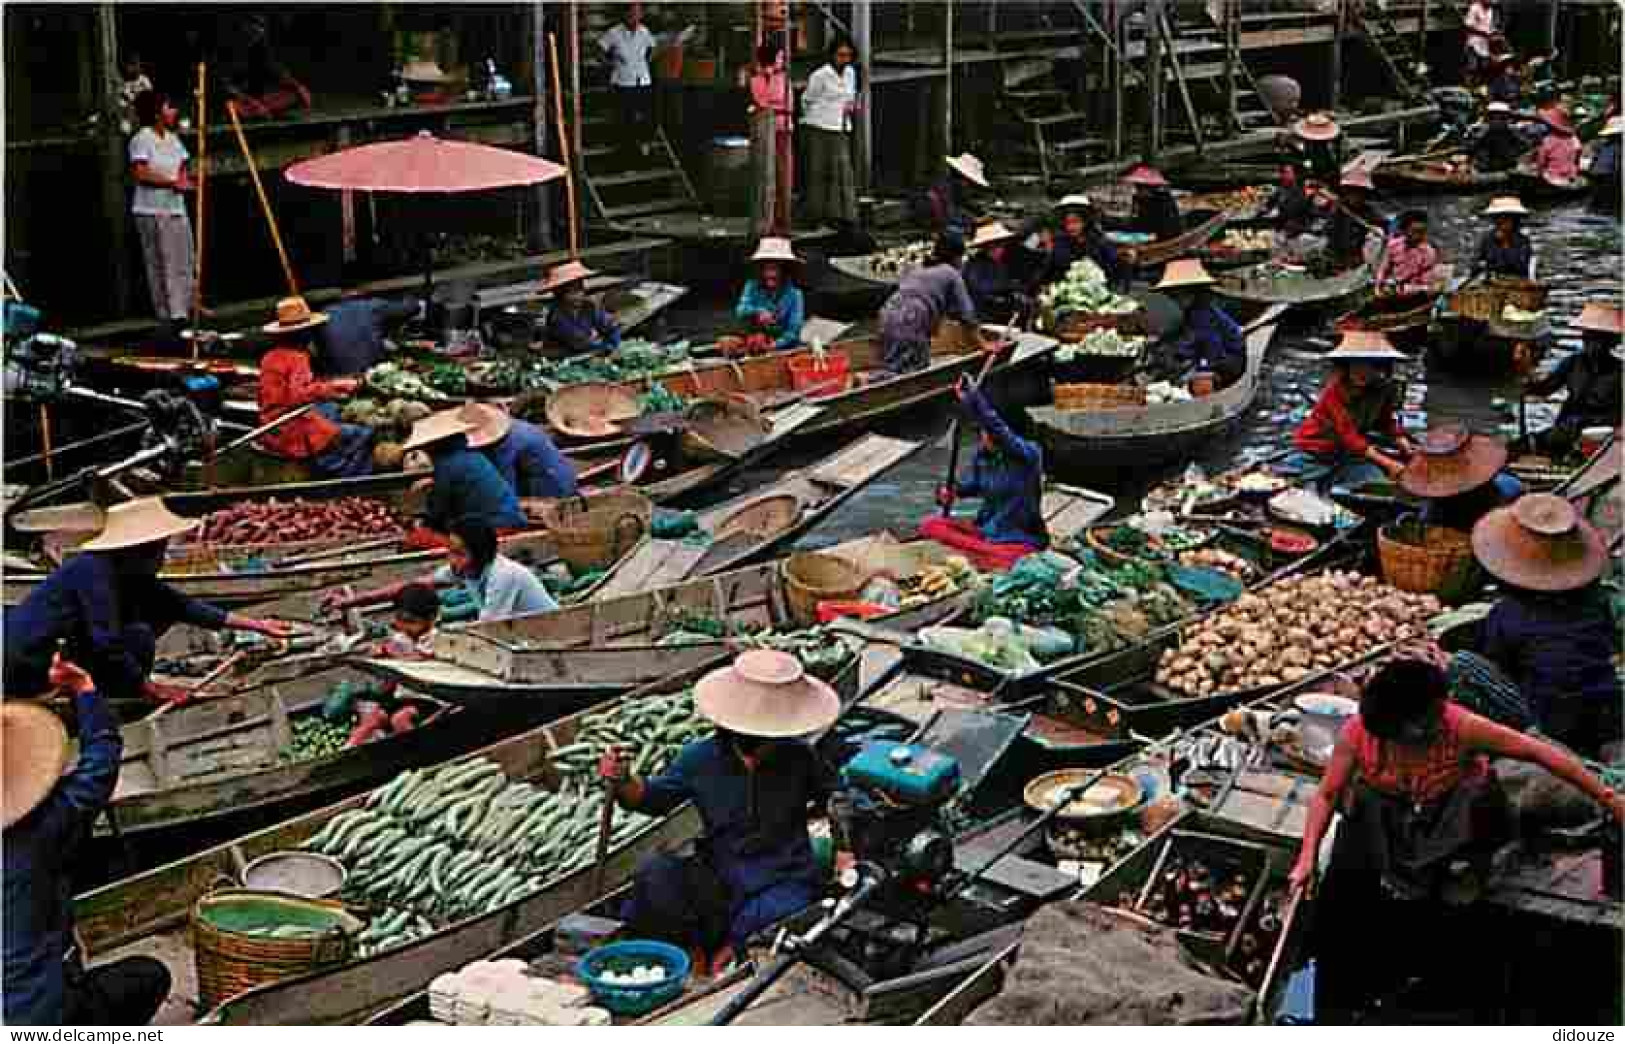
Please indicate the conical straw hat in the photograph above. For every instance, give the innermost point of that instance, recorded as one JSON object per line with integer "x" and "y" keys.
{"x": 990, "y": 233}
{"x": 138, "y": 522}
{"x": 567, "y": 274}
{"x": 970, "y": 167}
{"x": 33, "y": 755}
{"x": 1450, "y": 460}
{"x": 435, "y": 427}
{"x": 1365, "y": 346}
{"x": 767, "y": 693}
{"x": 487, "y": 423}
{"x": 1184, "y": 272}
{"x": 1601, "y": 318}
{"x": 1539, "y": 543}
{"x": 1506, "y": 205}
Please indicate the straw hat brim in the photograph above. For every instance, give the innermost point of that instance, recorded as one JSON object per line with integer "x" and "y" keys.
{"x": 126, "y": 528}
{"x": 489, "y": 424}
{"x": 775, "y": 258}
{"x": 310, "y": 322}
{"x": 967, "y": 171}
{"x": 782, "y": 711}
{"x": 1436, "y": 476}
{"x": 567, "y": 275}
{"x": 1003, "y": 235}
{"x": 1517, "y": 210}
{"x": 435, "y": 427}
{"x": 1587, "y": 321}
{"x": 1370, "y": 355}
{"x": 1186, "y": 282}
{"x": 1516, "y": 556}
{"x": 33, "y": 756}
{"x": 1316, "y": 132}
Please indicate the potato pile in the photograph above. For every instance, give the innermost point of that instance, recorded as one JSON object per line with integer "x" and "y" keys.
{"x": 1291, "y": 629}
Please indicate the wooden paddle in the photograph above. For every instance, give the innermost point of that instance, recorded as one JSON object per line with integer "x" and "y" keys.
{"x": 953, "y": 427}
{"x": 606, "y": 824}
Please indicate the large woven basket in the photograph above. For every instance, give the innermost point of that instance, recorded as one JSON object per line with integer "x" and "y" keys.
{"x": 1423, "y": 568}
{"x": 762, "y": 518}
{"x": 1097, "y": 396}
{"x": 594, "y": 531}
{"x": 810, "y": 578}
{"x": 1520, "y": 293}
{"x": 231, "y": 961}
{"x": 1482, "y": 303}
{"x": 593, "y": 410}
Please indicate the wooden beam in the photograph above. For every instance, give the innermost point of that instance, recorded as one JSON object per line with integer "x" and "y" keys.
{"x": 863, "y": 39}
{"x": 114, "y": 176}
{"x": 1154, "y": 78}
{"x": 1119, "y": 77}
{"x": 541, "y": 231}
{"x": 1335, "y": 72}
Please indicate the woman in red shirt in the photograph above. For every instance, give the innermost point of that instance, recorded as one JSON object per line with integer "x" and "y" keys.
{"x": 330, "y": 449}
{"x": 1422, "y": 815}
{"x": 1359, "y": 404}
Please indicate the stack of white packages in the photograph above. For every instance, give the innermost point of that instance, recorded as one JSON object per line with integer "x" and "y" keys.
{"x": 499, "y": 993}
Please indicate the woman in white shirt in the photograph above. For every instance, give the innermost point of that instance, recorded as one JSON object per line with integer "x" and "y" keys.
{"x": 627, "y": 45}
{"x": 158, "y": 167}
{"x": 828, "y": 106}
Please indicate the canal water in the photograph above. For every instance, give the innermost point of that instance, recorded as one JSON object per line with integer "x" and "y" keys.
{"x": 1579, "y": 251}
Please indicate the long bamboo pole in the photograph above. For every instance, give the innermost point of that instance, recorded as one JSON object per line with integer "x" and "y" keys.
{"x": 202, "y": 193}
{"x": 565, "y": 152}
{"x": 265, "y": 203}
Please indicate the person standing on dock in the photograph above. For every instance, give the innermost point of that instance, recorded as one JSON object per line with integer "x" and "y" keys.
{"x": 628, "y": 45}
{"x": 1008, "y": 475}
{"x": 1497, "y": 146}
{"x": 999, "y": 277}
{"x": 330, "y": 449}
{"x": 923, "y": 298}
{"x": 827, "y": 109}
{"x": 1410, "y": 264}
{"x": 158, "y": 161}
{"x": 106, "y": 609}
{"x": 1354, "y": 221}
{"x": 1209, "y": 340}
{"x": 1082, "y": 239}
{"x": 769, "y": 141}
{"x": 576, "y": 325}
{"x": 48, "y": 809}
{"x": 1156, "y": 213}
{"x": 1505, "y": 250}
{"x": 1335, "y": 444}
{"x": 772, "y": 308}
{"x": 1552, "y": 631}
{"x": 945, "y": 206}
{"x": 1479, "y": 22}
{"x": 465, "y": 484}
{"x": 1590, "y": 378}
{"x": 522, "y": 452}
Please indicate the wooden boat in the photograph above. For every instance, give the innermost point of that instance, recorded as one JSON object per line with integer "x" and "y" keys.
{"x": 1161, "y": 251}
{"x": 147, "y": 914}
{"x": 1122, "y": 438}
{"x": 1532, "y": 185}
{"x": 874, "y": 392}
{"x": 1262, "y": 286}
{"x": 214, "y": 761}
{"x": 758, "y": 523}
{"x": 1404, "y": 318}
{"x": 861, "y": 267}
{"x": 1437, "y": 176}
{"x": 1472, "y": 334}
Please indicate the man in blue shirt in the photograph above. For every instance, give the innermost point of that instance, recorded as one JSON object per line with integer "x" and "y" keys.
{"x": 352, "y": 342}
{"x": 575, "y": 324}
{"x": 753, "y": 783}
{"x": 522, "y": 453}
{"x": 47, "y": 815}
{"x": 1008, "y": 474}
{"x": 1209, "y": 339}
{"x": 464, "y": 484}
{"x": 107, "y": 608}
{"x": 772, "y": 308}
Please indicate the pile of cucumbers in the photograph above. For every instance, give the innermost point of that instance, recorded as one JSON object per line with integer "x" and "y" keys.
{"x": 390, "y": 928}
{"x": 650, "y": 730}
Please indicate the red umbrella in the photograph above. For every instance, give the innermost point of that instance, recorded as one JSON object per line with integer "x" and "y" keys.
{"x": 423, "y": 163}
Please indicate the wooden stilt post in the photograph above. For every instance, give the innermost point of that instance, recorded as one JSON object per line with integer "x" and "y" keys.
{"x": 565, "y": 152}
{"x": 202, "y": 202}
{"x": 863, "y": 38}
{"x": 1339, "y": 27}
{"x": 265, "y": 202}
{"x": 1154, "y": 78}
{"x": 541, "y": 236}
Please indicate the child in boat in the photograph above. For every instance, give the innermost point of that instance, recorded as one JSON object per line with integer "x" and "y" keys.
{"x": 772, "y": 308}
{"x": 411, "y": 635}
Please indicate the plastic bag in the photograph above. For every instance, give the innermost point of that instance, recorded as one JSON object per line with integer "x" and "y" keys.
{"x": 1041, "y": 570}
{"x": 672, "y": 525}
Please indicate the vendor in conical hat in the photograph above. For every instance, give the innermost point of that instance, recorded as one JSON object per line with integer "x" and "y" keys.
{"x": 1208, "y": 339}
{"x": 1495, "y": 145}
{"x": 523, "y": 453}
{"x": 465, "y": 484}
{"x": 1082, "y": 239}
{"x": 1354, "y": 222}
{"x": 1505, "y": 250}
{"x": 1604, "y": 169}
{"x": 771, "y": 306}
{"x": 1342, "y": 439}
{"x": 752, "y": 780}
{"x": 1552, "y": 631}
{"x": 1000, "y": 274}
{"x": 1459, "y": 477}
{"x": 107, "y": 609}
{"x": 1591, "y": 378}
{"x": 329, "y": 448}
{"x": 946, "y": 205}
{"x": 1557, "y": 157}
{"x": 577, "y": 325}
{"x": 48, "y": 809}
{"x": 1156, "y": 213}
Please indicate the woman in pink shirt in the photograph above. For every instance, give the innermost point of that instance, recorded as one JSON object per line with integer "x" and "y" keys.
{"x": 1558, "y": 158}
{"x": 769, "y": 143}
{"x": 1409, "y": 260}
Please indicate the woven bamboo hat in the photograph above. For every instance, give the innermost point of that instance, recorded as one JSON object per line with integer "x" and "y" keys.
{"x": 33, "y": 756}
{"x": 1183, "y": 273}
{"x": 292, "y": 315}
{"x": 138, "y": 522}
{"x": 1144, "y": 174}
{"x": 436, "y": 426}
{"x": 775, "y": 248}
{"x": 969, "y": 167}
{"x": 1365, "y": 346}
{"x": 1539, "y": 543}
{"x": 1317, "y": 126}
{"x": 766, "y": 693}
{"x": 567, "y": 274}
{"x": 991, "y": 233}
{"x": 1076, "y": 201}
{"x": 1601, "y": 318}
{"x": 487, "y": 423}
{"x": 1506, "y": 206}
{"x": 1499, "y": 109}
{"x": 1450, "y": 460}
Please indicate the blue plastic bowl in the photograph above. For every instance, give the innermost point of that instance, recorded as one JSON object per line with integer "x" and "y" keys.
{"x": 624, "y": 956}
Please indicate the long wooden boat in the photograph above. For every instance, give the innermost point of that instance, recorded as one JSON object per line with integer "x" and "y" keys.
{"x": 219, "y": 759}
{"x": 1118, "y": 439}
{"x": 861, "y": 267}
{"x": 147, "y": 914}
{"x": 1260, "y": 286}
{"x": 757, "y": 523}
{"x": 1404, "y": 318}
{"x": 1532, "y": 185}
{"x": 1437, "y": 176}
{"x": 1161, "y": 251}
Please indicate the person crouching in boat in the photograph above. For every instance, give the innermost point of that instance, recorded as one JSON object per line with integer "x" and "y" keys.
{"x": 1591, "y": 378}
{"x": 522, "y": 452}
{"x": 48, "y": 808}
{"x": 753, "y": 782}
{"x": 1410, "y": 264}
{"x": 1336, "y": 443}
{"x": 772, "y": 307}
{"x": 317, "y": 439}
{"x": 923, "y": 298}
{"x": 1008, "y": 475}
{"x": 1156, "y": 213}
{"x": 1497, "y": 146}
{"x": 1355, "y": 219}
{"x": 1505, "y": 250}
{"x": 106, "y": 609}
{"x": 1552, "y": 632}
{"x": 999, "y": 275}
{"x": 1557, "y": 157}
{"x": 411, "y": 630}
{"x": 464, "y": 485}
{"x": 1209, "y": 340}
{"x": 1423, "y": 814}
{"x": 577, "y": 325}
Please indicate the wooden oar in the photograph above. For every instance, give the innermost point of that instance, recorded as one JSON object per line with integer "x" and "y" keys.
{"x": 1287, "y": 922}
{"x": 606, "y": 824}
{"x": 953, "y": 427}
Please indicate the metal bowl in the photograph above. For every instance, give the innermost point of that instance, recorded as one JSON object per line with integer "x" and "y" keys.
{"x": 1102, "y": 807}
{"x": 305, "y": 874}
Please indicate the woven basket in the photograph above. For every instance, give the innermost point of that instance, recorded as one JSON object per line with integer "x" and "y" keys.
{"x": 1097, "y": 396}
{"x": 810, "y": 578}
{"x": 727, "y": 427}
{"x": 1482, "y": 303}
{"x": 594, "y": 531}
{"x": 1520, "y": 293}
{"x": 230, "y": 962}
{"x": 1423, "y": 568}
{"x": 1095, "y": 537}
{"x": 592, "y": 410}
{"x": 953, "y": 337}
{"x": 763, "y": 518}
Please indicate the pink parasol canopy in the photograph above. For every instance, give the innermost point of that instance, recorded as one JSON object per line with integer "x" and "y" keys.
{"x": 423, "y": 163}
